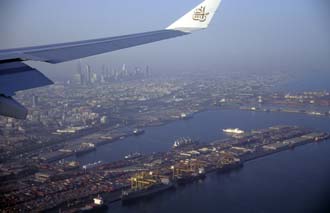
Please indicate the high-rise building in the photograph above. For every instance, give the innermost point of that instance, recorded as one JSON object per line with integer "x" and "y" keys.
{"x": 147, "y": 70}
{"x": 76, "y": 79}
{"x": 94, "y": 78}
{"x": 81, "y": 73}
{"x": 89, "y": 74}
{"x": 102, "y": 78}
{"x": 35, "y": 101}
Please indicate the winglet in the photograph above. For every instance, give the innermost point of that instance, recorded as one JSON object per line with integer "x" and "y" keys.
{"x": 198, "y": 18}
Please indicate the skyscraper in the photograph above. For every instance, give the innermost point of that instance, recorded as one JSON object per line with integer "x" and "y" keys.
{"x": 35, "y": 101}
{"x": 88, "y": 74}
{"x": 147, "y": 70}
{"x": 80, "y": 73}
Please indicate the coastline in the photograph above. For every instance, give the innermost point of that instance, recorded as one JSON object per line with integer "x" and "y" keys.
{"x": 124, "y": 135}
{"x": 113, "y": 197}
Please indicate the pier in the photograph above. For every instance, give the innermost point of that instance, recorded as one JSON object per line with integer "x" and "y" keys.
{"x": 70, "y": 187}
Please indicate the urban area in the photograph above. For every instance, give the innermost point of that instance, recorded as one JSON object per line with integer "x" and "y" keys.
{"x": 95, "y": 108}
{"x": 70, "y": 187}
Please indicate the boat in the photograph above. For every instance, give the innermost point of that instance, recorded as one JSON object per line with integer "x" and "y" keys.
{"x": 85, "y": 148}
{"x": 189, "y": 178}
{"x": 138, "y": 131}
{"x": 185, "y": 116}
{"x": 229, "y": 167}
{"x": 181, "y": 142}
{"x": 135, "y": 194}
{"x": 92, "y": 165}
{"x": 133, "y": 155}
{"x": 97, "y": 206}
{"x": 233, "y": 131}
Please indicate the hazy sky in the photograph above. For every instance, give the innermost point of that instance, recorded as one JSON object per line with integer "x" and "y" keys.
{"x": 245, "y": 35}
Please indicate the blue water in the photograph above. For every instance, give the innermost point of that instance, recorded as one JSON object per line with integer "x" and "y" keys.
{"x": 205, "y": 127}
{"x": 290, "y": 181}
{"x": 308, "y": 81}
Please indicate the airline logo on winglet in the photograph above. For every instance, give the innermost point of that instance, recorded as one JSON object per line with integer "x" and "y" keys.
{"x": 200, "y": 14}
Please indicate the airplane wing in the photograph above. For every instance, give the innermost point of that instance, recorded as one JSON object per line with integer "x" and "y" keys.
{"x": 16, "y": 76}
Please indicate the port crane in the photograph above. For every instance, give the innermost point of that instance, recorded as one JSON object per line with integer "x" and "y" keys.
{"x": 187, "y": 167}
{"x": 142, "y": 181}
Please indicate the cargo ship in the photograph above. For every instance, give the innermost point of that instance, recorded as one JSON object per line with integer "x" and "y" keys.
{"x": 85, "y": 148}
{"x": 135, "y": 194}
{"x": 189, "y": 178}
{"x": 231, "y": 166}
{"x": 182, "y": 142}
{"x": 138, "y": 131}
{"x": 92, "y": 165}
{"x": 134, "y": 155}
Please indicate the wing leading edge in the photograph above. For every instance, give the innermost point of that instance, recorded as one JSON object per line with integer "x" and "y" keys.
{"x": 16, "y": 76}
{"x": 75, "y": 50}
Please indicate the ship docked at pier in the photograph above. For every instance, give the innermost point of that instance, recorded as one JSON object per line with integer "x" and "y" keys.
{"x": 229, "y": 164}
{"x": 138, "y": 131}
{"x": 185, "y": 178}
{"x": 132, "y": 156}
{"x": 144, "y": 185}
{"x": 182, "y": 142}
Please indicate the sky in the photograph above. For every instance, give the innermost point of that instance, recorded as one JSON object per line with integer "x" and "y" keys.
{"x": 245, "y": 36}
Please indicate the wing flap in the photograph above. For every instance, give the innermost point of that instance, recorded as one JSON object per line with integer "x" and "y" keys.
{"x": 11, "y": 108}
{"x": 16, "y": 76}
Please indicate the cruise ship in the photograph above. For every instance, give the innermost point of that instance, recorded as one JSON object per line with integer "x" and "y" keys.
{"x": 233, "y": 131}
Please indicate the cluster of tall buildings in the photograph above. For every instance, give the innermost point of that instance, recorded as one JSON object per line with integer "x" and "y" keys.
{"x": 87, "y": 76}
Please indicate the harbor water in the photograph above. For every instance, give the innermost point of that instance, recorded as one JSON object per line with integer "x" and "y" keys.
{"x": 290, "y": 181}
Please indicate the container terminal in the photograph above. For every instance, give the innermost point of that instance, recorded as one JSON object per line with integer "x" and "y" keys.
{"x": 71, "y": 187}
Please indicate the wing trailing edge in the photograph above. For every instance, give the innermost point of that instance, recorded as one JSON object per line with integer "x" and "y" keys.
{"x": 17, "y": 76}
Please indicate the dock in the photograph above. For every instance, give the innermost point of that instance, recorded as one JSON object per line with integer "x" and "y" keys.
{"x": 69, "y": 188}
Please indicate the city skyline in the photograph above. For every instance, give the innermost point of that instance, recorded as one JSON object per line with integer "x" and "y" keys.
{"x": 291, "y": 36}
{"x": 232, "y": 119}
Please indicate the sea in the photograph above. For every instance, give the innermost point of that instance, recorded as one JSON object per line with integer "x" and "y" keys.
{"x": 290, "y": 181}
